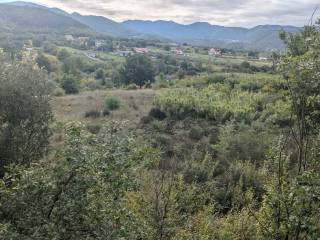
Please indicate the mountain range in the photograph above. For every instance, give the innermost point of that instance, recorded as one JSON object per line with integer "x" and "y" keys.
{"x": 33, "y": 17}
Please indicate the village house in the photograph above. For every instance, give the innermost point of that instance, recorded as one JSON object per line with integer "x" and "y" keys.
{"x": 69, "y": 38}
{"x": 83, "y": 41}
{"x": 176, "y": 51}
{"x": 141, "y": 50}
{"x": 99, "y": 43}
{"x": 28, "y": 46}
{"x": 124, "y": 53}
{"x": 263, "y": 59}
{"x": 91, "y": 55}
{"x": 214, "y": 52}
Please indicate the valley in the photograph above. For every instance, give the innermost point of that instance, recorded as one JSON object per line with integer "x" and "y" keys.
{"x": 154, "y": 130}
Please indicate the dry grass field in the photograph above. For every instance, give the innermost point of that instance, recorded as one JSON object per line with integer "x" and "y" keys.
{"x": 134, "y": 105}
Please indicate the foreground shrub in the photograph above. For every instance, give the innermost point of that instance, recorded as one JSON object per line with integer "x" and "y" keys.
{"x": 70, "y": 84}
{"x": 157, "y": 114}
{"x": 132, "y": 87}
{"x": 112, "y": 103}
{"x": 196, "y": 133}
{"x": 214, "y": 79}
{"x": 59, "y": 92}
{"x": 106, "y": 112}
{"x": 93, "y": 114}
{"x": 79, "y": 195}
{"x": 94, "y": 128}
{"x": 214, "y": 102}
{"x": 25, "y": 114}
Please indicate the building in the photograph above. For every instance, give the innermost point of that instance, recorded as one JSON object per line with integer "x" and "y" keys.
{"x": 83, "y": 41}
{"x": 176, "y": 51}
{"x": 99, "y": 43}
{"x": 69, "y": 38}
{"x": 28, "y": 46}
{"x": 263, "y": 59}
{"x": 124, "y": 53}
{"x": 141, "y": 50}
{"x": 91, "y": 55}
{"x": 214, "y": 52}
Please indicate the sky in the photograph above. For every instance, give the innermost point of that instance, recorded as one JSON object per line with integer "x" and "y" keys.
{"x": 244, "y": 13}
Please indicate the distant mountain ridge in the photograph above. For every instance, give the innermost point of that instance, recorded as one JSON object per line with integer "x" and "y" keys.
{"x": 105, "y": 25}
{"x": 264, "y": 37}
{"x": 30, "y": 17}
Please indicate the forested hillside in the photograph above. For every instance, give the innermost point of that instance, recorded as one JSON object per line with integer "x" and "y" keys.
{"x": 260, "y": 38}
{"x": 37, "y": 20}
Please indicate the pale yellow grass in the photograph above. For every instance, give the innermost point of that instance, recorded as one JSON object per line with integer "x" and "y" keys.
{"x": 134, "y": 105}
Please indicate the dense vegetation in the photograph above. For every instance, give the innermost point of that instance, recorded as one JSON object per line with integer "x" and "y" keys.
{"x": 229, "y": 150}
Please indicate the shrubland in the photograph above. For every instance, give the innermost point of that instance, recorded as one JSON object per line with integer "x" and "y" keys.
{"x": 222, "y": 154}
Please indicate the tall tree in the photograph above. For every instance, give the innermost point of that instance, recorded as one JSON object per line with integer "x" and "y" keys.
{"x": 301, "y": 69}
{"x": 25, "y": 113}
{"x": 138, "y": 70}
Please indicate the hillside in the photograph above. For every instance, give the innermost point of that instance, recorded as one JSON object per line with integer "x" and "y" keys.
{"x": 264, "y": 37}
{"x": 104, "y": 25}
{"x": 38, "y": 20}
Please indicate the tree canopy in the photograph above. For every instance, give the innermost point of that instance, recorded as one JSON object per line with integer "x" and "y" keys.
{"x": 138, "y": 70}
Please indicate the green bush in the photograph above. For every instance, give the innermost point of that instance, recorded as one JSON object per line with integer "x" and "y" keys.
{"x": 196, "y": 133}
{"x": 106, "y": 112}
{"x": 25, "y": 114}
{"x": 112, "y": 103}
{"x": 132, "y": 87}
{"x": 93, "y": 114}
{"x": 214, "y": 79}
{"x": 70, "y": 84}
{"x": 94, "y": 128}
{"x": 59, "y": 92}
{"x": 157, "y": 114}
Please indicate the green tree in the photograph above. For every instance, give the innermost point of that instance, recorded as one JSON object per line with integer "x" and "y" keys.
{"x": 79, "y": 195}
{"x": 300, "y": 68}
{"x": 138, "y": 69}
{"x": 25, "y": 114}
{"x": 48, "y": 62}
{"x": 70, "y": 84}
{"x": 63, "y": 54}
{"x": 290, "y": 206}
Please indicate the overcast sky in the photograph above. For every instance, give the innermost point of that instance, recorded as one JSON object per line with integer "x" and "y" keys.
{"x": 245, "y": 13}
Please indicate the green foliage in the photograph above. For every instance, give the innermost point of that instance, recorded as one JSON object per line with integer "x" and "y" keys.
{"x": 112, "y": 103}
{"x": 155, "y": 206}
{"x": 132, "y": 87}
{"x": 70, "y": 84}
{"x": 196, "y": 133}
{"x": 138, "y": 70}
{"x": 79, "y": 195}
{"x": 100, "y": 74}
{"x": 213, "y": 102}
{"x": 48, "y": 62}
{"x": 63, "y": 54}
{"x": 210, "y": 173}
{"x": 25, "y": 114}
{"x": 58, "y": 92}
{"x": 92, "y": 114}
{"x": 214, "y": 79}
{"x": 290, "y": 206}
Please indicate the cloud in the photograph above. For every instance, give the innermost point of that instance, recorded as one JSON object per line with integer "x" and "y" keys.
{"x": 222, "y": 12}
